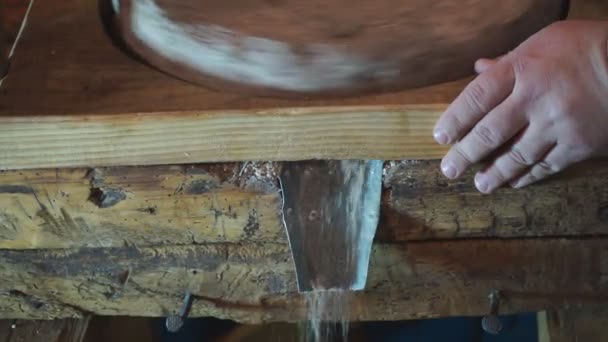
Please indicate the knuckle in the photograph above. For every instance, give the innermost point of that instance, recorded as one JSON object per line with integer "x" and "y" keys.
{"x": 463, "y": 154}
{"x": 520, "y": 65}
{"x": 499, "y": 173}
{"x": 529, "y": 93}
{"x": 475, "y": 96}
{"x": 457, "y": 122}
{"x": 541, "y": 170}
{"x": 520, "y": 157}
{"x": 557, "y": 116}
{"x": 487, "y": 136}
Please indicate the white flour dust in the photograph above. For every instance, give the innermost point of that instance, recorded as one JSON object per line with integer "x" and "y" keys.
{"x": 328, "y": 316}
{"x": 222, "y": 53}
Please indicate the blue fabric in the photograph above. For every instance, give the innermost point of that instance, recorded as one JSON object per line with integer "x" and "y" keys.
{"x": 520, "y": 328}
{"x": 196, "y": 330}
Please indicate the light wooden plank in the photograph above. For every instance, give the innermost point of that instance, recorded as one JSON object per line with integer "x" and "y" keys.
{"x": 221, "y": 136}
{"x": 255, "y": 283}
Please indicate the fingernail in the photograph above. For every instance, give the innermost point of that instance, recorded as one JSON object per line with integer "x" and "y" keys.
{"x": 441, "y": 137}
{"x": 517, "y": 184}
{"x": 482, "y": 182}
{"x": 449, "y": 170}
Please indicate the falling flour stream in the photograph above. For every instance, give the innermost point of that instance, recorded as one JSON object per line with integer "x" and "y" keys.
{"x": 328, "y": 315}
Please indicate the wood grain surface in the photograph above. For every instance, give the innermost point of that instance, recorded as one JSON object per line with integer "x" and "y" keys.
{"x": 220, "y": 136}
{"x": 253, "y": 282}
{"x": 80, "y": 71}
{"x": 235, "y": 203}
{"x": 326, "y": 48}
{"x": 73, "y": 98}
{"x": 83, "y": 73}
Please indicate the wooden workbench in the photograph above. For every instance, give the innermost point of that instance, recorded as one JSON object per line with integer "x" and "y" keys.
{"x": 122, "y": 188}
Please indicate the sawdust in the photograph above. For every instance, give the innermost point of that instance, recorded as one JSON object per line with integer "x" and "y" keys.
{"x": 392, "y": 167}
{"x": 258, "y": 176}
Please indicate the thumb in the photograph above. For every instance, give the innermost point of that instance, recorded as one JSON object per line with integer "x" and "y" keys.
{"x": 484, "y": 64}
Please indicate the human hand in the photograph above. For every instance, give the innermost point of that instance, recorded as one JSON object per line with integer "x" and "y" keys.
{"x": 541, "y": 108}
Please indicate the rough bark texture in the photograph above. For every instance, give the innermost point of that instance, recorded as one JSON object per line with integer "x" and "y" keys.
{"x": 139, "y": 206}
{"x": 256, "y": 283}
{"x": 233, "y": 203}
{"x": 420, "y": 203}
{"x": 215, "y": 230}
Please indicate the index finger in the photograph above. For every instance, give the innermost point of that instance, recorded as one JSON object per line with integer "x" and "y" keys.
{"x": 479, "y": 97}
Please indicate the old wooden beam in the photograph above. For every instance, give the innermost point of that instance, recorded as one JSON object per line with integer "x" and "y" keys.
{"x": 253, "y": 282}
{"x": 140, "y": 206}
{"x": 233, "y": 203}
{"x": 93, "y": 105}
{"x": 420, "y": 203}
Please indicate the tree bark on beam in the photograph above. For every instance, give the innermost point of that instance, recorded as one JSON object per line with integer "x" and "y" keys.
{"x": 253, "y": 282}
{"x": 233, "y": 203}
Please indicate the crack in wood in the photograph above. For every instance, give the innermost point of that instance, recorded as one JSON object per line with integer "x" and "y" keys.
{"x": 16, "y": 189}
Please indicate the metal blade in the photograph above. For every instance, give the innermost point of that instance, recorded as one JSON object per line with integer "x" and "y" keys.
{"x": 331, "y": 211}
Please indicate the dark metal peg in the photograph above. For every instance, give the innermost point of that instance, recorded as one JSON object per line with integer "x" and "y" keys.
{"x": 491, "y": 323}
{"x": 175, "y": 322}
